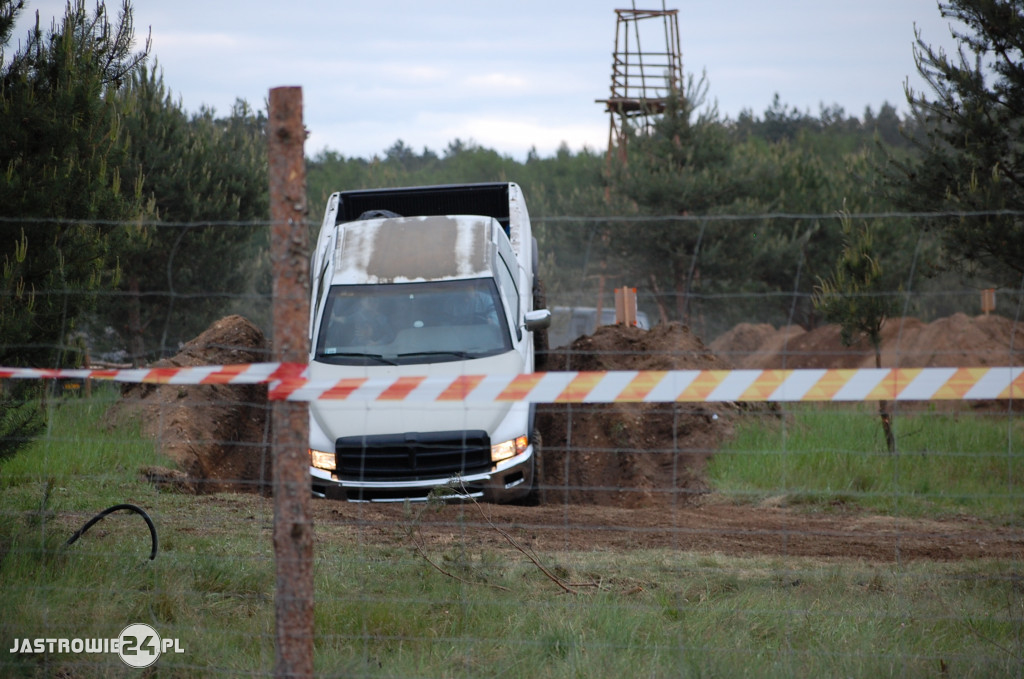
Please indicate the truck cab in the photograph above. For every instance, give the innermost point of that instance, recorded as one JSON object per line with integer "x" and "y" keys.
{"x": 423, "y": 281}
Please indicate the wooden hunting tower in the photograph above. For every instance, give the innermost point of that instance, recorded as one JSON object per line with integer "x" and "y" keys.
{"x": 647, "y": 71}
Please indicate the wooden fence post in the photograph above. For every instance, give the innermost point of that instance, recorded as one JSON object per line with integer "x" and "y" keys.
{"x": 293, "y": 520}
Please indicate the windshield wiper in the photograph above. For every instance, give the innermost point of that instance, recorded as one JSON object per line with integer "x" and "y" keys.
{"x": 329, "y": 358}
{"x": 457, "y": 354}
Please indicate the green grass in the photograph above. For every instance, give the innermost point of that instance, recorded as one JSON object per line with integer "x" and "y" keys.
{"x": 735, "y": 617}
{"x": 83, "y": 459}
{"x": 945, "y": 463}
{"x": 383, "y": 611}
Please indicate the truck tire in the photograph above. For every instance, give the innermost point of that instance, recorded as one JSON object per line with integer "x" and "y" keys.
{"x": 536, "y": 495}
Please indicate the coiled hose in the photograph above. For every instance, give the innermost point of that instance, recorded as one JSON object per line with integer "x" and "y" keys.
{"x": 110, "y": 510}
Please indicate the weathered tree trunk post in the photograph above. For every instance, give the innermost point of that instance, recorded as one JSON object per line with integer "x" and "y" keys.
{"x": 293, "y": 520}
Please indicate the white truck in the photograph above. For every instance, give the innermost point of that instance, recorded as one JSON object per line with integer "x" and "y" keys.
{"x": 424, "y": 281}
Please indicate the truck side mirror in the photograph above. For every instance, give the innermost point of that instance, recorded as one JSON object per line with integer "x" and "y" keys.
{"x": 538, "y": 319}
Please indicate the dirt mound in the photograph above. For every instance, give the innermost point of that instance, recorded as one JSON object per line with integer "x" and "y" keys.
{"x": 216, "y": 433}
{"x": 623, "y": 455}
{"x": 747, "y": 342}
{"x": 957, "y": 340}
{"x": 632, "y": 454}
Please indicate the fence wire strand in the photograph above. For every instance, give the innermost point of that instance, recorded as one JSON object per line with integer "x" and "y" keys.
{"x": 666, "y": 539}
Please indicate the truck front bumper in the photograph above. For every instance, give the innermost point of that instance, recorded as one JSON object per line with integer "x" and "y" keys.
{"x": 508, "y": 481}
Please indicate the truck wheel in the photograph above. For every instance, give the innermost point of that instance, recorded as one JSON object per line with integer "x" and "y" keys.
{"x": 535, "y": 496}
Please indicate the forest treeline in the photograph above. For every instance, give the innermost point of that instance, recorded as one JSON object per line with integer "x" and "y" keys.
{"x": 684, "y": 217}
{"x": 128, "y": 224}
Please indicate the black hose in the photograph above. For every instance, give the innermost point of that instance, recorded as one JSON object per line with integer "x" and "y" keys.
{"x": 110, "y": 510}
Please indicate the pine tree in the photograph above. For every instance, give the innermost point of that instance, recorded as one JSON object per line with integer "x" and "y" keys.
{"x": 59, "y": 188}
{"x": 187, "y": 262}
{"x": 62, "y": 146}
{"x": 971, "y": 156}
{"x": 856, "y": 296}
{"x": 685, "y": 167}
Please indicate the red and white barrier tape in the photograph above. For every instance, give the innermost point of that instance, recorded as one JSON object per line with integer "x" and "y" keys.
{"x": 288, "y": 381}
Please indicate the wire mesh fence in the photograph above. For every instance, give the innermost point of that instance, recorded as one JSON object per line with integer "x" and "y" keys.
{"x": 664, "y": 538}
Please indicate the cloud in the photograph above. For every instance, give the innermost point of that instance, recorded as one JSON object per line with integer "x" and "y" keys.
{"x": 507, "y": 135}
{"x": 516, "y": 136}
{"x": 165, "y": 42}
{"x": 429, "y": 73}
{"x": 500, "y": 82}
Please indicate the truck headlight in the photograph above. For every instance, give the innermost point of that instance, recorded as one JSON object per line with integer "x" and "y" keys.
{"x": 506, "y": 449}
{"x": 321, "y": 460}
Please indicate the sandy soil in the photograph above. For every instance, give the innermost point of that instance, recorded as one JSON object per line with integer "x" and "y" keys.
{"x": 708, "y": 525}
{"x": 613, "y": 476}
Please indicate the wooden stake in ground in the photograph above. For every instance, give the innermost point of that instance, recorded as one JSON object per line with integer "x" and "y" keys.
{"x": 293, "y": 519}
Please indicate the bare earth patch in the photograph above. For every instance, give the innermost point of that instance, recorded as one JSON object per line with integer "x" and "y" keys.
{"x": 707, "y": 525}
{"x": 215, "y": 433}
{"x": 613, "y": 477}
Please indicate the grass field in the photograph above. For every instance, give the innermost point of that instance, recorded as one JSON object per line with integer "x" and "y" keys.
{"x": 968, "y": 462}
{"x": 383, "y": 611}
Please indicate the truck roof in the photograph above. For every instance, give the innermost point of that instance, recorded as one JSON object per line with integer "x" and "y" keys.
{"x": 406, "y": 249}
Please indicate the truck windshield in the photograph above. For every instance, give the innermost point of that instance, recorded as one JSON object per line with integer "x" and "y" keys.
{"x": 403, "y": 323}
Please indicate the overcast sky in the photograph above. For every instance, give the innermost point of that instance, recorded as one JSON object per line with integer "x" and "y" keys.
{"x": 512, "y": 76}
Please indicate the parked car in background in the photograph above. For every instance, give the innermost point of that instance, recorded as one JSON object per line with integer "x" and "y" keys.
{"x": 570, "y": 323}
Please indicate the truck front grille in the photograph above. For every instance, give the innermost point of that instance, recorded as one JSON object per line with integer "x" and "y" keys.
{"x": 413, "y": 455}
